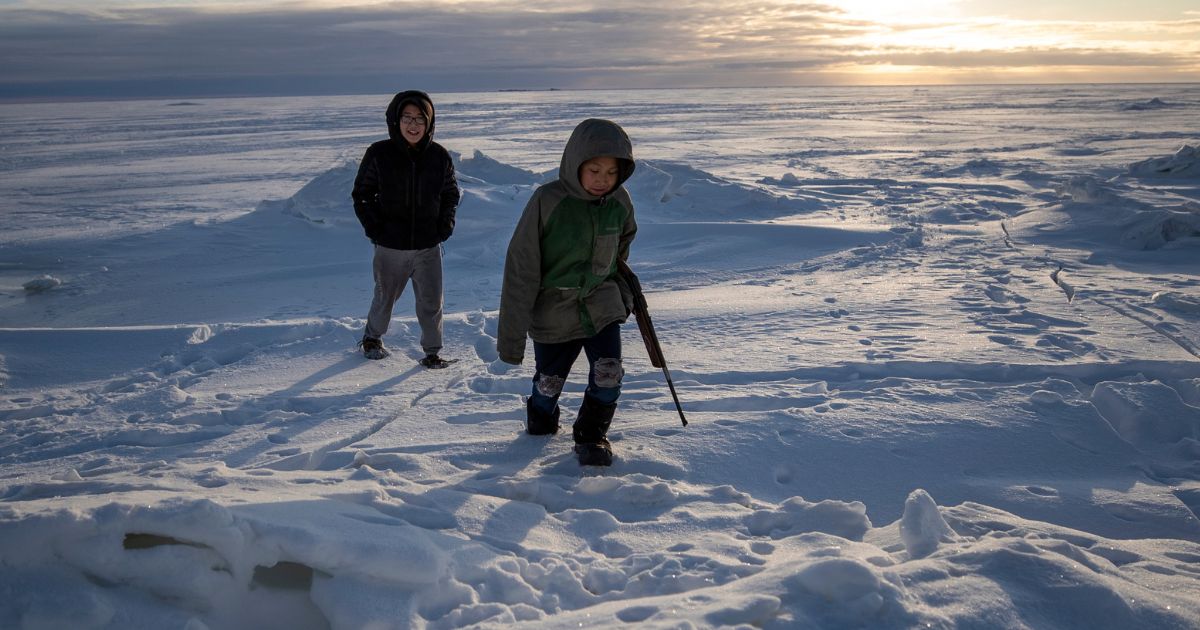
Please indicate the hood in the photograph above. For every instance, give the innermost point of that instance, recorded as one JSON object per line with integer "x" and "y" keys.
{"x": 423, "y": 102}
{"x": 592, "y": 138}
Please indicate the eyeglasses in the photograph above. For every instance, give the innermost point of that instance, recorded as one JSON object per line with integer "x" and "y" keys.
{"x": 413, "y": 120}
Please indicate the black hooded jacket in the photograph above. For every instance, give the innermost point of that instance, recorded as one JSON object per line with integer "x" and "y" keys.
{"x": 405, "y": 196}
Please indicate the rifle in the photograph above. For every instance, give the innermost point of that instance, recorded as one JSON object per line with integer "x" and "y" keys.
{"x": 642, "y": 313}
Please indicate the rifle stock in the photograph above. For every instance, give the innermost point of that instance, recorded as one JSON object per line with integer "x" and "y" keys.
{"x": 641, "y": 313}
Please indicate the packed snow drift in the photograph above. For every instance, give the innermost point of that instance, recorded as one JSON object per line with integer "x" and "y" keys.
{"x": 939, "y": 351}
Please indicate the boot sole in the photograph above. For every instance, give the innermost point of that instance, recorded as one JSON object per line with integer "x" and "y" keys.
{"x": 593, "y": 455}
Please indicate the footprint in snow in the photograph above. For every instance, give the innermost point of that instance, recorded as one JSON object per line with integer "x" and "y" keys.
{"x": 762, "y": 548}
{"x": 783, "y": 475}
{"x": 1070, "y": 343}
{"x": 637, "y": 614}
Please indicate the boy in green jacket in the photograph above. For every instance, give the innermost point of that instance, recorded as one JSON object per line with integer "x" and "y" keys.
{"x": 561, "y": 286}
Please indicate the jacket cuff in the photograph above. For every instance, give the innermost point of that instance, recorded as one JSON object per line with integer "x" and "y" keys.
{"x": 510, "y": 353}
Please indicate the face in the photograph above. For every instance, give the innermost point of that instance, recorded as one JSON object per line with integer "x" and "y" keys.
{"x": 412, "y": 124}
{"x": 599, "y": 175}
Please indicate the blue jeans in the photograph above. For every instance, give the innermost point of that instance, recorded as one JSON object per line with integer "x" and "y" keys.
{"x": 553, "y": 363}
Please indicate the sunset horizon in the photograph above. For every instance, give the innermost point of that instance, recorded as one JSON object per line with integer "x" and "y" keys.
{"x": 120, "y": 49}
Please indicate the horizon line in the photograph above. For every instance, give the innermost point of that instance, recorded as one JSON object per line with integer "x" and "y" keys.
{"x": 34, "y": 99}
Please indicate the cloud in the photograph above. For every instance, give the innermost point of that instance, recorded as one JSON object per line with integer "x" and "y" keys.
{"x": 1029, "y": 58}
{"x": 316, "y": 48}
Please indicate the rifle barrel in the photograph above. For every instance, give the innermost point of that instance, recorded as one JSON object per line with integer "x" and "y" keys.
{"x": 641, "y": 312}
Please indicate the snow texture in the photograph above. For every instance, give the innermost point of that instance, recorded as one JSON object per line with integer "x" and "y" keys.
{"x": 939, "y": 350}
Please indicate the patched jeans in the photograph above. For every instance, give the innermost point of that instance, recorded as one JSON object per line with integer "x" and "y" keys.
{"x": 553, "y": 363}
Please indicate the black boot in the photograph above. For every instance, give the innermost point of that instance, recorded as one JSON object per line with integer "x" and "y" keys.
{"x": 538, "y": 422}
{"x": 591, "y": 433}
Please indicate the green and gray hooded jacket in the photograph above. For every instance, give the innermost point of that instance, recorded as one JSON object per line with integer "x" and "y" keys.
{"x": 560, "y": 275}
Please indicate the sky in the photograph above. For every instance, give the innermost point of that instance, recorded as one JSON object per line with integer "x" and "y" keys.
{"x": 124, "y": 48}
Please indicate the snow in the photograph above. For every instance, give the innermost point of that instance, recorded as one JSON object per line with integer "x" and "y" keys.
{"x": 1184, "y": 163}
{"x": 939, "y": 350}
{"x": 41, "y": 283}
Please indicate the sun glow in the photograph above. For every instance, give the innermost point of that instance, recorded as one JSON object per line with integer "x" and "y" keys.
{"x": 941, "y": 40}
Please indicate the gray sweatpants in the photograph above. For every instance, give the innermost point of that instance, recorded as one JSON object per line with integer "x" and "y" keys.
{"x": 393, "y": 269}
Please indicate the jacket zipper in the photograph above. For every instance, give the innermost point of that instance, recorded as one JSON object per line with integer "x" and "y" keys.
{"x": 412, "y": 206}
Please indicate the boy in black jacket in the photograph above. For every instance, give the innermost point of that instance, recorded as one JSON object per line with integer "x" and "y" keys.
{"x": 405, "y": 196}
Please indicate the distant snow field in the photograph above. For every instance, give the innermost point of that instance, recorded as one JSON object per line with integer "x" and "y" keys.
{"x": 939, "y": 350}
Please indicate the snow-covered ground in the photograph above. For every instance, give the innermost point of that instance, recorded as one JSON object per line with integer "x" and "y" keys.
{"x": 939, "y": 349}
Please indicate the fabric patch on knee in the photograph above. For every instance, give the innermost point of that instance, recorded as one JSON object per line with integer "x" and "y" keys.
{"x": 608, "y": 373}
{"x": 549, "y": 385}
